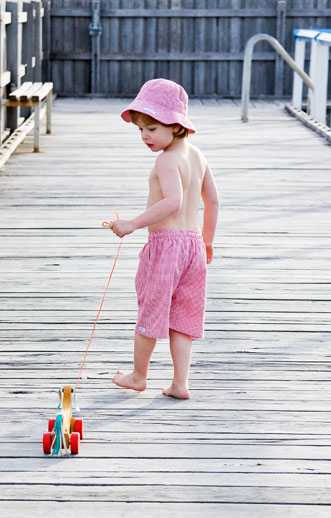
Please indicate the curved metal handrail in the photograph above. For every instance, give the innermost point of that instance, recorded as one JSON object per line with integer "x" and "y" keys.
{"x": 246, "y": 81}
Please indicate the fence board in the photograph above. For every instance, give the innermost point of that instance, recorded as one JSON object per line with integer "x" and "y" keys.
{"x": 191, "y": 13}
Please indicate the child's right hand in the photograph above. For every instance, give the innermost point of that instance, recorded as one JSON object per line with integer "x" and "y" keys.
{"x": 121, "y": 227}
{"x": 209, "y": 252}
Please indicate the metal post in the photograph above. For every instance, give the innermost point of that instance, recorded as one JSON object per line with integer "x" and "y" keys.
{"x": 95, "y": 30}
{"x": 279, "y": 69}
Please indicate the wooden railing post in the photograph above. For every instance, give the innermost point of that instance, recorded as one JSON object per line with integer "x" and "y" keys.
{"x": 14, "y": 55}
{"x": 319, "y": 67}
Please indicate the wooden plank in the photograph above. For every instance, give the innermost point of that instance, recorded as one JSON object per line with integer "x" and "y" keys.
{"x": 175, "y": 30}
{"x": 28, "y": 43}
{"x": 186, "y": 13}
{"x": 27, "y": 94}
{"x": 126, "y": 46}
{"x": 7, "y": 17}
{"x": 189, "y": 465}
{"x": 14, "y": 96}
{"x": 39, "y": 95}
{"x": 309, "y": 405}
{"x": 235, "y": 68}
{"x": 188, "y": 28}
{"x": 185, "y": 510}
{"x": 114, "y": 47}
{"x": 46, "y": 39}
{"x": 163, "y": 493}
{"x": 169, "y": 478}
{"x": 199, "y": 66}
{"x": 108, "y": 449}
{"x": 166, "y": 56}
{"x": 5, "y": 78}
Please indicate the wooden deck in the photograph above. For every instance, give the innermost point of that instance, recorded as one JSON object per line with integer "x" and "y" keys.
{"x": 255, "y": 439}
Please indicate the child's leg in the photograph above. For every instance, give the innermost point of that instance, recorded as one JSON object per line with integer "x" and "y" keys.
{"x": 136, "y": 380}
{"x": 180, "y": 348}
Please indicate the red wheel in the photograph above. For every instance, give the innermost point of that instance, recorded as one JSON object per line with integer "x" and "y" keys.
{"x": 74, "y": 442}
{"x": 47, "y": 442}
{"x": 51, "y": 423}
{"x": 79, "y": 427}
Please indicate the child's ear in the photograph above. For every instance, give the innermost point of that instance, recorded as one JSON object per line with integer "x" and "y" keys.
{"x": 176, "y": 128}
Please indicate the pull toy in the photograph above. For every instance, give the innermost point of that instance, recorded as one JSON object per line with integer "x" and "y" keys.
{"x": 65, "y": 432}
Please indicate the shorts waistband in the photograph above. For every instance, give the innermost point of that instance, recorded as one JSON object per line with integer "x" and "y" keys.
{"x": 174, "y": 234}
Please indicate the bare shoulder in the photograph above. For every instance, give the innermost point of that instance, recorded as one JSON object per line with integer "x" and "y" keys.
{"x": 166, "y": 164}
{"x": 195, "y": 149}
{"x": 167, "y": 159}
{"x": 198, "y": 157}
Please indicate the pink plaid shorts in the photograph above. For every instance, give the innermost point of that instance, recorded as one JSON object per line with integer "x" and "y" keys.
{"x": 171, "y": 284}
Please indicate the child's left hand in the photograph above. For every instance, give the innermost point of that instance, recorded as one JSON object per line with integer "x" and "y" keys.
{"x": 121, "y": 227}
{"x": 209, "y": 253}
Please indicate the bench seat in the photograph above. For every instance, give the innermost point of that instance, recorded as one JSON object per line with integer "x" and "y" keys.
{"x": 34, "y": 95}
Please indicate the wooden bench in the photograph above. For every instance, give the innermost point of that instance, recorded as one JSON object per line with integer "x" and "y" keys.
{"x": 37, "y": 96}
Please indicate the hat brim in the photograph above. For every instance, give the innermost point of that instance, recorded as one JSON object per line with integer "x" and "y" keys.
{"x": 164, "y": 116}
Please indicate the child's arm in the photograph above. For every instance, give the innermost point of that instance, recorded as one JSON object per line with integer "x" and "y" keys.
{"x": 210, "y": 199}
{"x": 171, "y": 186}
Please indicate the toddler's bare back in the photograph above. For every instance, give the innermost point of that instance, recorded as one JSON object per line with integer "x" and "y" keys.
{"x": 191, "y": 165}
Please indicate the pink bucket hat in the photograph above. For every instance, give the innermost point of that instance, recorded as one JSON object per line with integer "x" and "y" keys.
{"x": 164, "y": 100}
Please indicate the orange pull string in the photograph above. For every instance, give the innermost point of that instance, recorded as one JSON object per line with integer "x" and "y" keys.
{"x": 104, "y": 224}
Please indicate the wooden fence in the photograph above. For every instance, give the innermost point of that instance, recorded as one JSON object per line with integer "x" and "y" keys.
{"x": 199, "y": 43}
{"x": 21, "y": 54}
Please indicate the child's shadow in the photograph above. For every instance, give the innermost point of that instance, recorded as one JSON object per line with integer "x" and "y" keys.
{"x": 142, "y": 405}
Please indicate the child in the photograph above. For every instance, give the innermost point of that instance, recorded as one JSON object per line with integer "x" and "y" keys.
{"x": 171, "y": 277}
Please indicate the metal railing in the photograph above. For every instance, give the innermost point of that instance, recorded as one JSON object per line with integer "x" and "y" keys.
{"x": 246, "y": 80}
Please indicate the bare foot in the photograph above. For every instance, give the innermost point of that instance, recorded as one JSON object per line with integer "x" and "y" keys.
{"x": 129, "y": 381}
{"x": 177, "y": 392}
